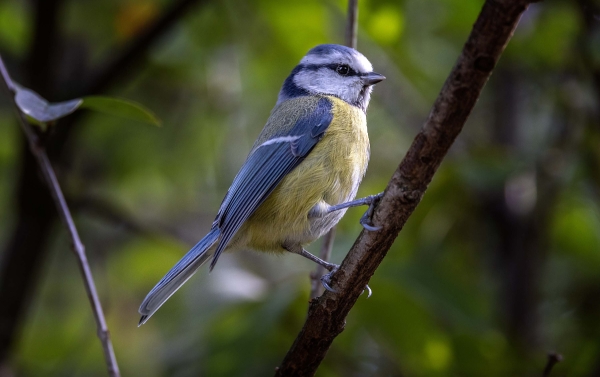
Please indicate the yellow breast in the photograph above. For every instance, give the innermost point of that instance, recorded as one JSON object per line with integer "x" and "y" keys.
{"x": 331, "y": 172}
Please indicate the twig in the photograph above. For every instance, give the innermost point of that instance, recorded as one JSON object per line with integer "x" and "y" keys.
{"x": 38, "y": 150}
{"x": 27, "y": 245}
{"x": 352, "y": 24}
{"x": 553, "y": 359}
{"x": 316, "y": 288}
{"x": 23, "y": 256}
{"x": 491, "y": 32}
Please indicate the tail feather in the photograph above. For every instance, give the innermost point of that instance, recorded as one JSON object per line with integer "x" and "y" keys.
{"x": 178, "y": 275}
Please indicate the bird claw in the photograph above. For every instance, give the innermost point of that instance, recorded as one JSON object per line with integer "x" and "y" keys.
{"x": 367, "y": 226}
{"x": 326, "y": 279}
{"x": 366, "y": 219}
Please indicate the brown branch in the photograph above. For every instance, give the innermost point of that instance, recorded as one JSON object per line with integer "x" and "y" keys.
{"x": 491, "y": 32}
{"x": 352, "y": 24}
{"x": 39, "y": 152}
{"x": 316, "y": 287}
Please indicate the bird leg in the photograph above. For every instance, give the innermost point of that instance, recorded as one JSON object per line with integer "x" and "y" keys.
{"x": 301, "y": 251}
{"x": 323, "y": 209}
{"x": 331, "y": 267}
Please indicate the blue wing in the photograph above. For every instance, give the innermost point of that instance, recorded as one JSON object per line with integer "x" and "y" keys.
{"x": 276, "y": 155}
{"x": 264, "y": 169}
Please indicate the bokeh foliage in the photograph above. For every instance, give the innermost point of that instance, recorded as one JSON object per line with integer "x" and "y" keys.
{"x": 499, "y": 264}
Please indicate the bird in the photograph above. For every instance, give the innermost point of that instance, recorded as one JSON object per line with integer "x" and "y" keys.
{"x": 301, "y": 174}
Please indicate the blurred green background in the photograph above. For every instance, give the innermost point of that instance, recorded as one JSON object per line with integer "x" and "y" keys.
{"x": 499, "y": 264}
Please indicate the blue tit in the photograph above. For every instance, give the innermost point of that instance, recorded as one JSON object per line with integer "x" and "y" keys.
{"x": 302, "y": 173}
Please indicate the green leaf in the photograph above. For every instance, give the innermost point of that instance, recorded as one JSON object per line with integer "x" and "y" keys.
{"x": 39, "y": 111}
{"x": 120, "y": 107}
{"x": 36, "y": 107}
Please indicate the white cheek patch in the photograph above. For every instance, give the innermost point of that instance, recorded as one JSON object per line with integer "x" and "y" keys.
{"x": 326, "y": 81}
{"x": 313, "y": 81}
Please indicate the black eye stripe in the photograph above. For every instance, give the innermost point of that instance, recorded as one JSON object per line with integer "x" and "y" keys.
{"x": 333, "y": 67}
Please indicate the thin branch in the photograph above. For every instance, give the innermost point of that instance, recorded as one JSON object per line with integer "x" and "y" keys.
{"x": 352, "y": 24}
{"x": 553, "y": 359}
{"x": 24, "y": 253}
{"x": 39, "y": 152}
{"x": 316, "y": 287}
{"x": 491, "y": 32}
{"x": 35, "y": 215}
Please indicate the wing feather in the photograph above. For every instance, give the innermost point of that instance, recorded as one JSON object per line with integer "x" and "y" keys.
{"x": 264, "y": 169}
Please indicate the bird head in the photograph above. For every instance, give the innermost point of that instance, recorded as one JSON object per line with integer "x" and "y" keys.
{"x": 334, "y": 70}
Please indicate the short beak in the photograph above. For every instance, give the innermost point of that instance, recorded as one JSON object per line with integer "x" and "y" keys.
{"x": 372, "y": 78}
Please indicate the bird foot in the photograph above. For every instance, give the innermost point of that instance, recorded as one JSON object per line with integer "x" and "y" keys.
{"x": 326, "y": 279}
{"x": 367, "y": 219}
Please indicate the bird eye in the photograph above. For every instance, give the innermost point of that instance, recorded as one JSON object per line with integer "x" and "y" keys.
{"x": 342, "y": 69}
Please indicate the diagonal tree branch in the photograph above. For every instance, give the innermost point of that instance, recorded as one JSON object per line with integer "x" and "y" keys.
{"x": 39, "y": 152}
{"x": 490, "y": 34}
